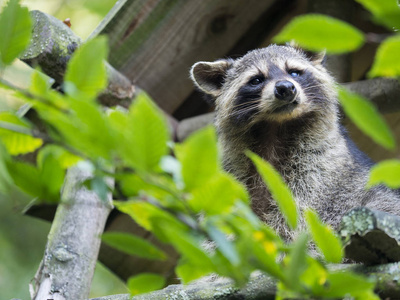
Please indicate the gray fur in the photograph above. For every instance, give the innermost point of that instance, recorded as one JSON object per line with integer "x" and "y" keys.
{"x": 306, "y": 144}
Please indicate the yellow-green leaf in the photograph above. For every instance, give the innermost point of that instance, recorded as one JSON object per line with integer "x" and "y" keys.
{"x": 86, "y": 72}
{"x": 324, "y": 237}
{"x": 319, "y": 32}
{"x": 199, "y": 158}
{"x": 16, "y": 135}
{"x": 146, "y": 136}
{"x": 363, "y": 113}
{"x": 279, "y": 190}
{"x": 133, "y": 245}
{"x": 387, "y": 62}
{"x": 15, "y": 31}
{"x": 386, "y": 172}
{"x": 385, "y": 12}
{"x": 144, "y": 283}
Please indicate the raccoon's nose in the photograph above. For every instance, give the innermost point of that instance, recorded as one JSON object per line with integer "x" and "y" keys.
{"x": 285, "y": 90}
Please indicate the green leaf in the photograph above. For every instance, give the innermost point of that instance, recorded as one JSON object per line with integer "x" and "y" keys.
{"x": 325, "y": 238}
{"x": 319, "y": 32}
{"x": 51, "y": 176}
{"x": 279, "y": 190}
{"x": 150, "y": 217}
{"x": 224, "y": 245}
{"x": 99, "y": 185}
{"x": 217, "y": 196}
{"x": 188, "y": 272}
{"x": 297, "y": 262}
{"x": 16, "y": 142}
{"x": 65, "y": 158}
{"x": 199, "y": 158}
{"x": 385, "y": 12}
{"x": 144, "y": 283}
{"x": 387, "y": 61}
{"x": 146, "y": 137}
{"x": 340, "y": 284}
{"x": 26, "y": 177}
{"x": 5, "y": 178}
{"x": 363, "y": 113}
{"x": 133, "y": 245}
{"x": 86, "y": 72}
{"x": 15, "y": 31}
{"x": 386, "y": 172}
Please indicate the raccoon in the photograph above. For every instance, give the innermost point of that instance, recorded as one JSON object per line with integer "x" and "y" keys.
{"x": 281, "y": 103}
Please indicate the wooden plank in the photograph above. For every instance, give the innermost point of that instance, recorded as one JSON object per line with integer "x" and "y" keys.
{"x": 154, "y": 42}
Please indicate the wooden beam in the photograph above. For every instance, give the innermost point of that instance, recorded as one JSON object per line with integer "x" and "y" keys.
{"x": 154, "y": 42}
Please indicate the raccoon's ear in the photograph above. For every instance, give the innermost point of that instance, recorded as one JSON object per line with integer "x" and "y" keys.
{"x": 209, "y": 76}
{"x": 317, "y": 58}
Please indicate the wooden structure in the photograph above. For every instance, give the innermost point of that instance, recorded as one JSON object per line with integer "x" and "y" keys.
{"x": 155, "y": 42}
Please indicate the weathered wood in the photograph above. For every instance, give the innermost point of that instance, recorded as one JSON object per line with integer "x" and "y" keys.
{"x": 51, "y": 48}
{"x": 264, "y": 287}
{"x": 154, "y": 42}
{"x": 371, "y": 237}
{"x": 73, "y": 244}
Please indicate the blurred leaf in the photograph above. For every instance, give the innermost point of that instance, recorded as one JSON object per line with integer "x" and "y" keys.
{"x": 171, "y": 165}
{"x": 224, "y": 245}
{"x": 15, "y": 31}
{"x": 99, "y": 185}
{"x": 279, "y": 190}
{"x": 340, "y": 284}
{"x": 386, "y": 172}
{"x": 5, "y": 178}
{"x": 147, "y": 136}
{"x": 198, "y": 156}
{"x": 218, "y": 196}
{"x": 40, "y": 83}
{"x": 65, "y": 158}
{"x": 144, "y": 283}
{"x": 16, "y": 142}
{"x": 26, "y": 177}
{"x": 188, "y": 272}
{"x": 324, "y": 237}
{"x": 133, "y": 245}
{"x": 150, "y": 217}
{"x": 51, "y": 176}
{"x": 319, "y": 32}
{"x": 385, "y": 12}
{"x": 86, "y": 73}
{"x": 297, "y": 262}
{"x": 387, "y": 61}
{"x": 363, "y": 113}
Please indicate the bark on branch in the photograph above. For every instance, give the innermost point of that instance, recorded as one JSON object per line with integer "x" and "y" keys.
{"x": 51, "y": 47}
{"x": 67, "y": 268}
{"x": 264, "y": 287}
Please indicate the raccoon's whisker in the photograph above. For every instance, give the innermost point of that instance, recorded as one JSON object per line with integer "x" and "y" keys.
{"x": 246, "y": 103}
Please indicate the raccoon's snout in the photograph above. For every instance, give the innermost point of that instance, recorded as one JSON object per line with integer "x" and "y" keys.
{"x": 285, "y": 90}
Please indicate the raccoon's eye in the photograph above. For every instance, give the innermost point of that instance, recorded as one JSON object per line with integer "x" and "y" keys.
{"x": 294, "y": 73}
{"x": 256, "y": 81}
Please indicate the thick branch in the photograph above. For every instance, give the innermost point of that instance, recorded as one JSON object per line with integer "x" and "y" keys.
{"x": 371, "y": 237}
{"x": 264, "y": 287}
{"x": 51, "y": 47}
{"x": 70, "y": 257}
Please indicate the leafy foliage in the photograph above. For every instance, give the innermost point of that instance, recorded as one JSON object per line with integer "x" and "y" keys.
{"x": 15, "y": 32}
{"x": 387, "y": 58}
{"x": 363, "y": 113}
{"x": 318, "y": 32}
{"x": 166, "y": 195}
{"x": 386, "y": 172}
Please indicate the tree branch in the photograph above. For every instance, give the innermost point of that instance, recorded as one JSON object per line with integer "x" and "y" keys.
{"x": 73, "y": 244}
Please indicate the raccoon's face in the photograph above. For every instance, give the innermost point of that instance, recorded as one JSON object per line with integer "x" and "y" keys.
{"x": 277, "y": 83}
